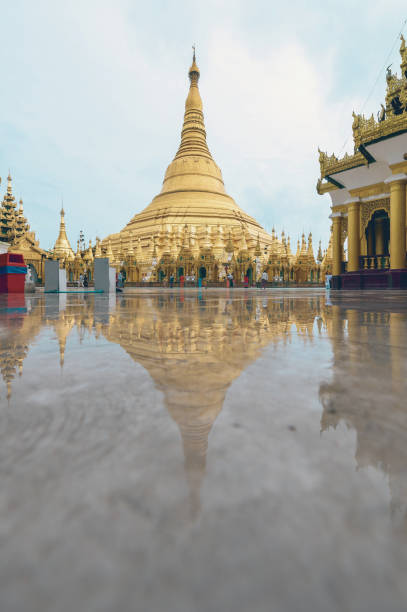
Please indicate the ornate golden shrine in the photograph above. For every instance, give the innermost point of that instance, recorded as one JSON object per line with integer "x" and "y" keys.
{"x": 368, "y": 193}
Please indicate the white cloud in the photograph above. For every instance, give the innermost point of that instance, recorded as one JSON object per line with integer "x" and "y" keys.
{"x": 93, "y": 96}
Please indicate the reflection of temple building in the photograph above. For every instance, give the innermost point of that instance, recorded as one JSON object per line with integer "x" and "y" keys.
{"x": 19, "y": 331}
{"x": 24, "y": 317}
{"x": 373, "y": 342}
{"x": 194, "y": 228}
{"x": 192, "y": 348}
{"x": 368, "y": 193}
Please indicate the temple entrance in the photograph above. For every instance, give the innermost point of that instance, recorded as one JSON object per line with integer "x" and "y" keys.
{"x": 202, "y": 272}
{"x": 378, "y": 234}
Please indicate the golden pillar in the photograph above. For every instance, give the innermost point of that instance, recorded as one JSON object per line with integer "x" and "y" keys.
{"x": 397, "y": 225}
{"x": 353, "y": 237}
{"x": 336, "y": 243}
{"x": 379, "y": 236}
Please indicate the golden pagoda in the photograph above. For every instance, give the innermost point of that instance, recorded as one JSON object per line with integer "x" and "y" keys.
{"x": 62, "y": 248}
{"x": 193, "y": 227}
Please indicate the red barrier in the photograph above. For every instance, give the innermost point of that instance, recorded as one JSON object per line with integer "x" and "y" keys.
{"x": 12, "y": 273}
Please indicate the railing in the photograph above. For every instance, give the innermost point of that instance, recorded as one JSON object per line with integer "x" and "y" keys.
{"x": 375, "y": 262}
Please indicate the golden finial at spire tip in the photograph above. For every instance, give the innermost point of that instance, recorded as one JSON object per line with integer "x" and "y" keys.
{"x": 194, "y": 70}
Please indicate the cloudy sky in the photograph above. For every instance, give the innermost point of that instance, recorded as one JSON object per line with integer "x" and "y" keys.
{"x": 93, "y": 92}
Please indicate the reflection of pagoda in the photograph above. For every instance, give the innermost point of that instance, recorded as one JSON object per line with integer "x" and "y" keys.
{"x": 18, "y": 332}
{"x": 22, "y": 320}
{"x": 374, "y": 407}
{"x": 194, "y": 349}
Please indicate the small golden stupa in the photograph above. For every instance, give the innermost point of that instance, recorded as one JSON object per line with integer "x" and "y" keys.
{"x": 62, "y": 248}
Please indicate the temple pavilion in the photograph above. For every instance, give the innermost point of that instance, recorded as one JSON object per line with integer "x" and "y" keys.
{"x": 194, "y": 228}
{"x": 368, "y": 194}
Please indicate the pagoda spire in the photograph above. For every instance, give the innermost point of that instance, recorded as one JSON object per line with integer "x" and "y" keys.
{"x": 319, "y": 255}
{"x": 193, "y": 135}
{"x": 9, "y": 186}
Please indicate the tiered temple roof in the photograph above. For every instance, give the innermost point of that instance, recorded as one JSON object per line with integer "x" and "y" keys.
{"x": 13, "y": 224}
{"x": 391, "y": 121}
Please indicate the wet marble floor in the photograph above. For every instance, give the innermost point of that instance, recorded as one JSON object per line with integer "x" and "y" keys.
{"x": 207, "y": 451}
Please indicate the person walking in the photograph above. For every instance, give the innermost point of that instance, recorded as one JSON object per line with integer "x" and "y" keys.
{"x": 230, "y": 279}
{"x": 246, "y": 281}
{"x": 80, "y": 280}
{"x": 264, "y": 279}
{"x": 119, "y": 283}
{"x": 85, "y": 280}
{"x": 171, "y": 281}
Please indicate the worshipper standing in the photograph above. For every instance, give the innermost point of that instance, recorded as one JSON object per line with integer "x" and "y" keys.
{"x": 264, "y": 279}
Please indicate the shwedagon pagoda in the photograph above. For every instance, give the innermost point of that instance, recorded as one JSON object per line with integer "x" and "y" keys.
{"x": 192, "y": 228}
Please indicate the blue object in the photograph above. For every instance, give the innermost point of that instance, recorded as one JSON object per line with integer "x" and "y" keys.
{"x": 13, "y": 269}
